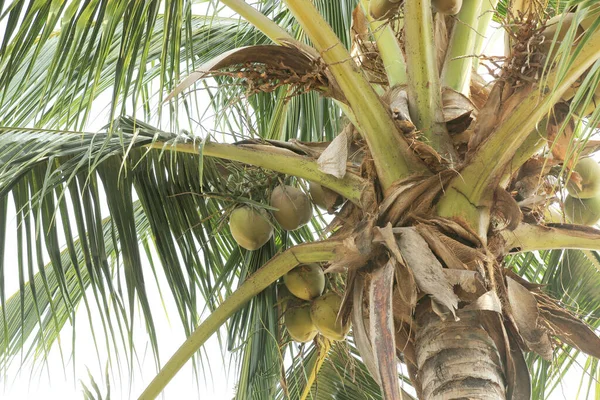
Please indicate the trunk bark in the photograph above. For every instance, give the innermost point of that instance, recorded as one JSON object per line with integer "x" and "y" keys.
{"x": 456, "y": 359}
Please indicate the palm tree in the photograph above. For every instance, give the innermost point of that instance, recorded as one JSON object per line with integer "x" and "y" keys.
{"x": 448, "y": 244}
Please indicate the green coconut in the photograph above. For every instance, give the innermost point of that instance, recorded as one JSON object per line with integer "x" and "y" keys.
{"x": 305, "y": 281}
{"x": 250, "y": 228}
{"x": 325, "y": 199}
{"x": 299, "y": 324}
{"x": 583, "y": 211}
{"x": 294, "y": 207}
{"x": 448, "y": 7}
{"x": 589, "y": 170}
{"x": 324, "y": 311}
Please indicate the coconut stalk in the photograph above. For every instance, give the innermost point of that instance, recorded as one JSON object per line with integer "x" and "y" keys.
{"x": 350, "y": 186}
{"x": 483, "y": 22}
{"x": 389, "y": 48}
{"x": 392, "y": 156}
{"x": 256, "y": 283}
{"x": 469, "y": 195}
{"x": 458, "y": 65}
{"x": 561, "y": 236}
{"x": 390, "y": 52}
{"x": 424, "y": 92}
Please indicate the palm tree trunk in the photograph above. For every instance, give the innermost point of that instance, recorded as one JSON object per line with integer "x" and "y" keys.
{"x": 457, "y": 359}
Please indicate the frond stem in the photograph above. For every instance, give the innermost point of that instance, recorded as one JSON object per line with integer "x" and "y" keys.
{"x": 456, "y": 73}
{"x": 273, "y": 31}
{"x": 256, "y": 283}
{"x": 351, "y": 186}
{"x": 529, "y": 237}
{"x": 424, "y": 92}
{"x": 470, "y": 192}
{"x": 392, "y": 156}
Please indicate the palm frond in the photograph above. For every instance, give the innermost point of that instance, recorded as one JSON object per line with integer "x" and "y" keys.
{"x": 342, "y": 376}
{"x": 572, "y": 277}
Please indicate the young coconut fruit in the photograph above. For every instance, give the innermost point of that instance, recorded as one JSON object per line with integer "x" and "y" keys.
{"x": 250, "y": 228}
{"x": 294, "y": 207}
{"x": 299, "y": 324}
{"x": 589, "y": 170}
{"x": 325, "y": 199}
{"x": 447, "y": 7}
{"x": 582, "y": 211}
{"x": 305, "y": 281}
{"x": 324, "y": 311}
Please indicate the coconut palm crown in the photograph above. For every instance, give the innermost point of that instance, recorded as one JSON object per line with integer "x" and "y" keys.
{"x": 450, "y": 242}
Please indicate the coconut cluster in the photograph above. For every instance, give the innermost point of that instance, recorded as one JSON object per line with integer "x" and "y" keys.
{"x": 309, "y": 311}
{"x": 582, "y": 204}
{"x": 251, "y": 227}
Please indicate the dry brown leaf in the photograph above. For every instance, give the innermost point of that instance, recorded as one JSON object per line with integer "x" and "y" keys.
{"x": 591, "y": 146}
{"x": 405, "y": 343}
{"x": 440, "y": 38}
{"x": 360, "y": 24}
{"x": 403, "y": 310}
{"x": 440, "y": 249}
{"x": 427, "y": 270}
{"x": 572, "y": 330}
{"x": 520, "y": 376}
{"x": 406, "y": 285}
{"x": 411, "y": 197}
{"x": 525, "y": 313}
{"x": 480, "y": 90}
{"x": 398, "y": 199}
{"x": 397, "y": 98}
{"x": 505, "y": 213}
{"x": 488, "y": 117}
{"x": 359, "y": 331}
{"x": 347, "y": 257}
{"x": 452, "y": 227}
{"x": 333, "y": 159}
{"x": 381, "y": 324}
{"x": 469, "y": 281}
{"x": 532, "y": 287}
{"x": 489, "y": 301}
{"x": 456, "y": 104}
{"x": 275, "y": 56}
{"x": 385, "y": 235}
{"x": 356, "y": 249}
{"x": 576, "y": 179}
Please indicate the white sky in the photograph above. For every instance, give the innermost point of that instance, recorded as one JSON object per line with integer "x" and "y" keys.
{"x": 62, "y": 383}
